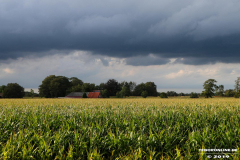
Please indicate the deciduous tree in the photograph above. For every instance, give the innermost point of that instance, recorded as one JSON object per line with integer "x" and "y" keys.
{"x": 209, "y": 87}
{"x": 13, "y": 90}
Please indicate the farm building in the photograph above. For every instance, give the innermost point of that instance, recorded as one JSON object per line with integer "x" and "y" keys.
{"x": 1, "y": 95}
{"x": 80, "y": 94}
{"x": 76, "y": 94}
{"x": 94, "y": 95}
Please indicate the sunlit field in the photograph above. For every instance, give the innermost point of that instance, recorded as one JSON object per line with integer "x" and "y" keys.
{"x": 134, "y": 128}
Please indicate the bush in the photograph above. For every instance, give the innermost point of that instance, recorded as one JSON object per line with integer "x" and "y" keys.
{"x": 144, "y": 94}
{"x": 84, "y": 95}
{"x": 163, "y": 95}
{"x": 194, "y": 95}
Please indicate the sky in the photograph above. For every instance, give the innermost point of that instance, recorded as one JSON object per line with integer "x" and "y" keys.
{"x": 176, "y": 44}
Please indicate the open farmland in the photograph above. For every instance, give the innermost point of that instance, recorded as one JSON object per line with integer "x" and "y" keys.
{"x": 151, "y": 128}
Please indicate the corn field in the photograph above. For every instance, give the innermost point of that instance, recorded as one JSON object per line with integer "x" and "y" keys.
{"x": 136, "y": 128}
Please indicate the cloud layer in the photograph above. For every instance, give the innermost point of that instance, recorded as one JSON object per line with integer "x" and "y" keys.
{"x": 194, "y": 32}
{"x": 29, "y": 72}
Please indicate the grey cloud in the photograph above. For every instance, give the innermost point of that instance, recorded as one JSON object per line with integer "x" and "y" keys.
{"x": 104, "y": 62}
{"x": 146, "y": 60}
{"x": 206, "y": 31}
{"x": 207, "y": 60}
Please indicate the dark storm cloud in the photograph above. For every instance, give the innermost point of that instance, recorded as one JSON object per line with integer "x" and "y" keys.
{"x": 201, "y": 32}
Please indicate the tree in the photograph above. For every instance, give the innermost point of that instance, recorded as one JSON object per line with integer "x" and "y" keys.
{"x": 75, "y": 81}
{"x": 220, "y": 90}
{"x": 13, "y": 90}
{"x": 112, "y": 86}
{"x": 44, "y": 88}
{"x": 132, "y": 86}
{"x": 172, "y": 93}
{"x": 123, "y": 93}
{"x": 209, "y": 86}
{"x": 229, "y": 93}
{"x": 125, "y": 89}
{"x": 84, "y": 95}
{"x": 88, "y": 87}
{"x": 163, "y": 95}
{"x": 181, "y": 94}
{"x": 2, "y": 88}
{"x": 75, "y": 85}
{"x": 144, "y": 94}
{"x": 101, "y": 86}
{"x": 104, "y": 94}
{"x": 151, "y": 88}
{"x": 237, "y": 95}
{"x": 77, "y": 88}
{"x": 58, "y": 86}
{"x": 119, "y": 95}
{"x": 54, "y": 86}
{"x": 237, "y": 84}
{"x": 139, "y": 89}
{"x": 31, "y": 93}
{"x": 194, "y": 95}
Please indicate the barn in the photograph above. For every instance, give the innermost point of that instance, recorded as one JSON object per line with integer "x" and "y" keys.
{"x": 95, "y": 94}
{"x": 1, "y": 95}
{"x": 76, "y": 94}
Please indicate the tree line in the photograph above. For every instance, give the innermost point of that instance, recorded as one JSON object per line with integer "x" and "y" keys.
{"x": 59, "y": 86}
{"x": 212, "y": 89}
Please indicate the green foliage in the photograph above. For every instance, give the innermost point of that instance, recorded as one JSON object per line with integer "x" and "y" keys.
{"x": 229, "y": 93}
{"x": 13, "y": 90}
{"x": 181, "y": 94}
{"x": 150, "y": 87}
{"x": 32, "y": 93}
{"x": 119, "y": 95}
{"x": 77, "y": 88}
{"x": 105, "y": 94}
{"x": 54, "y": 86}
{"x": 84, "y": 95}
{"x": 88, "y": 87}
{"x": 163, "y": 95}
{"x": 44, "y": 88}
{"x": 134, "y": 129}
{"x": 99, "y": 87}
{"x": 139, "y": 89}
{"x": 2, "y": 88}
{"x": 237, "y": 84}
{"x": 209, "y": 86}
{"x": 219, "y": 90}
{"x": 125, "y": 89}
{"x": 123, "y": 93}
{"x": 172, "y": 93}
{"x": 144, "y": 94}
{"x": 76, "y": 85}
{"x": 58, "y": 86}
{"x": 75, "y": 81}
{"x": 237, "y": 94}
{"x": 112, "y": 87}
{"x": 194, "y": 95}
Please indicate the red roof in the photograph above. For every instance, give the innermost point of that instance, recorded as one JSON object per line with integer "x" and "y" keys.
{"x": 94, "y": 95}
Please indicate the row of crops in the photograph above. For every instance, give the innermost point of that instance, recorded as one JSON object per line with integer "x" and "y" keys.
{"x": 117, "y": 128}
